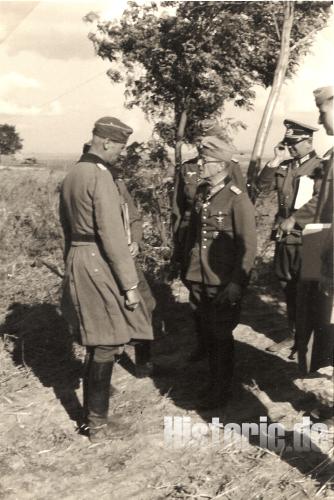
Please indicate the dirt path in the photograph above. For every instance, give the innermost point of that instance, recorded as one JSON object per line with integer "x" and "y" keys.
{"x": 43, "y": 457}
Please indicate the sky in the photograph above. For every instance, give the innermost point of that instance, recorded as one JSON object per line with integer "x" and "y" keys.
{"x": 53, "y": 87}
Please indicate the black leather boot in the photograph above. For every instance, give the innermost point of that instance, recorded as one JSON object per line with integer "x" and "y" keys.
{"x": 100, "y": 428}
{"x": 221, "y": 364}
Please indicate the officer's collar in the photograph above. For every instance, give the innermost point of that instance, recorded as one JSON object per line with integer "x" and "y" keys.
{"x": 212, "y": 190}
{"x": 219, "y": 179}
{"x": 306, "y": 157}
{"x": 92, "y": 158}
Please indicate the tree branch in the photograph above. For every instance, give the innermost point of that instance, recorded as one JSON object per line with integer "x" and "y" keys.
{"x": 276, "y": 26}
{"x": 303, "y": 40}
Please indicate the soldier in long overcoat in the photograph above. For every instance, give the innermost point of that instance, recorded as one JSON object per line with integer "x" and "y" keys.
{"x": 100, "y": 297}
{"x": 295, "y": 173}
{"x": 133, "y": 225}
{"x": 221, "y": 246}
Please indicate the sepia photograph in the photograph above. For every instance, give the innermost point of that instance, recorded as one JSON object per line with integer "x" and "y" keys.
{"x": 166, "y": 250}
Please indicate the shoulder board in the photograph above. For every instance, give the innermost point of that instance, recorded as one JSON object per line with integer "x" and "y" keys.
{"x": 235, "y": 189}
{"x": 102, "y": 167}
{"x": 234, "y": 160}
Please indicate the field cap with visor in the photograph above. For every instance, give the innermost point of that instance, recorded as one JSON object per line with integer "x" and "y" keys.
{"x": 216, "y": 148}
{"x": 112, "y": 128}
{"x": 297, "y": 132}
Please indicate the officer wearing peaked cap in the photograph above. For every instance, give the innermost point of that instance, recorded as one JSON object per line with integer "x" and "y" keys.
{"x": 100, "y": 298}
{"x": 221, "y": 244}
{"x": 295, "y": 172}
{"x": 187, "y": 181}
{"x": 320, "y": 210}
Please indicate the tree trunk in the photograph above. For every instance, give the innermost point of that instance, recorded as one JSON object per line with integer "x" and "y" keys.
{"x": 179, "y": 137}
{"x": 279, "y": 76}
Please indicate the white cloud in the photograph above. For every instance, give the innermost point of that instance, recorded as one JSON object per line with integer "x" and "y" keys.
{"x": 10, "y": 84}
{"x": 13, "y": 79}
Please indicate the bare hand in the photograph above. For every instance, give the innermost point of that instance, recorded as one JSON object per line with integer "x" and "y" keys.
{"x": 282, "y": 153}
{"x": 231, "y": 293}
{"x": 288, "y": 224}
{"x": 134, "y": 249}
{"x": 132, "y": 299}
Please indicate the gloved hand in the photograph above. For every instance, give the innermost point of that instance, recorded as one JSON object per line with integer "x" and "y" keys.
{"x": 231, "y": 293}
{"x": 132, "y": 298}
{"x": 288, "y": 224}
{"x": 134, "y": 249}
{"x": 282, "y": 153}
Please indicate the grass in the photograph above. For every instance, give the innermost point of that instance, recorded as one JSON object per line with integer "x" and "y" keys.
{"x": 43, "y": 457}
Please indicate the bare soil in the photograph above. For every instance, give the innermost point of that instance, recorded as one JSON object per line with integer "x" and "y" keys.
{"x": 42, "y": 456}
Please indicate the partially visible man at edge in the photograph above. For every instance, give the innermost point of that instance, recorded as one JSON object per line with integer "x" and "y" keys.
{"x": 320, "y": 209}
{"x": 295, "y": 173}
{"x": 100, "y": 298}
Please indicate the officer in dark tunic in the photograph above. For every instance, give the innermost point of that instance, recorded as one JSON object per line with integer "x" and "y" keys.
{"x": 295, "y": 172}
{"x": 100, "y": 298}
{"x": 187, "y": 181}
{"x": 319, "y": 210}
{"x": 221, "y": 244}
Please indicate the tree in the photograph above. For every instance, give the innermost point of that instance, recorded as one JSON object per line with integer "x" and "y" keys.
{"x": 295, "y": 24}
{"x": 182, "y": 64}
{"x": 10, "y": 141}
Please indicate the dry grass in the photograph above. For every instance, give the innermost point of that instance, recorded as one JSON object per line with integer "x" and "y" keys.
{"x": 41, "y": 454}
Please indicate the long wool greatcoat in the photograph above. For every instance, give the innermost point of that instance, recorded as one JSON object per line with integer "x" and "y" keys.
{"x": 100, "y": 269}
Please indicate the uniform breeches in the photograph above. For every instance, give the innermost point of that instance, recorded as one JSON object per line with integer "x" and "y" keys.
{"x": 287, "y": 264}
{"x": 217, "y": 322}
{"x": 103, "y": 353}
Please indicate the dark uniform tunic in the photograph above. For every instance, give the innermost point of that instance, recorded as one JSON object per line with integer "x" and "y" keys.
{"x": 286, "y": 179}
{"x": 99, "y": 267}
{"x": 186, "y": 184}
{"x": 320, "y": 209}
{"x": 222, "y": 246}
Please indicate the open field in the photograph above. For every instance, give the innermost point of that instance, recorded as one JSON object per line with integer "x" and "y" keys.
{"x": 43, "y": 457}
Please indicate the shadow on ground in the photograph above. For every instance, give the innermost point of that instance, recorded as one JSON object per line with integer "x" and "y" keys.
{"x": 41, "y": 342}
{"x": 182, "y": 381}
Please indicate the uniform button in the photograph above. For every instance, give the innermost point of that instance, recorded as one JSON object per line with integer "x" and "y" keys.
{"x": 204, "y": 246}
{"x": 205, "y": 239}
{"x": 95, "y": 270}
{"x": 204, "y": 217}
{"x": 204, "y": 232}
{"x": 93, "y": 254}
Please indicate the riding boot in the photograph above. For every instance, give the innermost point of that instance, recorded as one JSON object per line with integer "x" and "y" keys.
{"x": 201, "y": 350}
{"x": 221, "y": 371}
{"x": 100, "y": 428}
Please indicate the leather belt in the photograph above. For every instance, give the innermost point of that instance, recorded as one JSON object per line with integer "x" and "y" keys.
{"x": 83, "y": 238}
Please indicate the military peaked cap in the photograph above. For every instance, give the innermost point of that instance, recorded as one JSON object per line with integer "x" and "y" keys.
{"x": 323, "y": 94}
{"x": 297, "y": 131}
{"x": 217, "y": 148}
{"x": 210, "y": 126}
{"x": 112, "y": 128}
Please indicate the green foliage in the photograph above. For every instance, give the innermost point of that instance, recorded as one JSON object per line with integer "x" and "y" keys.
{"x": 148, "y": 173}
{"x": 195, "y": 56}
{"x": 10, "y": 141}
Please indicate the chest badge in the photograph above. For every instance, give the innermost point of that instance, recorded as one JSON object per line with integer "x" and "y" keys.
{"x": 191, "y": 173}
{"x": 220, "y": 219}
